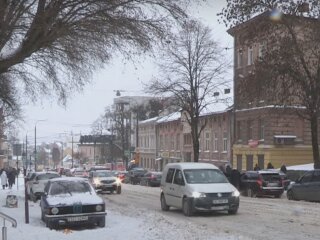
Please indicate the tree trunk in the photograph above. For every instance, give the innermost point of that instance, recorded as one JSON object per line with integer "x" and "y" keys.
{"x": 314, "y": 138}
{"x": 196, "y": 151}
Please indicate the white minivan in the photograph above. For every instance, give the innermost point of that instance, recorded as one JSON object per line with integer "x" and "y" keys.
{"x": 194, "y": 186}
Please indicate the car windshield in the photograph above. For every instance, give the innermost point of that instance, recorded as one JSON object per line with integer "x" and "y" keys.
{"x": 103, "y": 174}
{"x": 196, "y": 176}
{"x": 47, "y": 176}
{"x": 69, "y": 187}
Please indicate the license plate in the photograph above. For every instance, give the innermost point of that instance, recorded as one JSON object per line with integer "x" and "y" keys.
{"x": 220, "y": 208}
{"x": 78, "y": 219}
{"x": 220, "y": 201}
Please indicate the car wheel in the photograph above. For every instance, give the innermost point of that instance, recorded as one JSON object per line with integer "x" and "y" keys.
{"x": 233, "y": 211}
{"x": 250, "y": 193}
{"x": 111, "y": 191}
{"x": 119, "y": 190}
{"x": 290, "y": 195}
{"x": 33, "y": 196}
{"x": 278, "y": 196}
{"x": 187, "y": 207}
{"x": 42, "y": 216}
{"x": 102, "y": 223}
{"x": 164, "y": 206}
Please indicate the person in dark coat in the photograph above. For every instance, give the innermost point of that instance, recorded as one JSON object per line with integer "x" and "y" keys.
{"x": 235, "y": 178}
{"x": 256, "y": 167}
{"x": 11, "y": 177}
{"x": 270, "y": 166}
{"x": 283, "y": 168}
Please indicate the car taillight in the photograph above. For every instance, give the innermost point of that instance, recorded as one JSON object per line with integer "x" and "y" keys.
{"x": 259, "y": 181}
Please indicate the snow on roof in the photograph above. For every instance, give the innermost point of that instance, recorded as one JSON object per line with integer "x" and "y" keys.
{"x": 270, "y": 106}
{"x": 302, "y": 167}
{"x": 285, "y": 136}
{"x": 148, "y": 120}
{"x": 215, "y": 108}
{"x": 171, "y": 117}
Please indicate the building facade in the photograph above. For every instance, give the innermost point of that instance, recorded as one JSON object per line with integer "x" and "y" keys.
{"x": 264, "y": 131}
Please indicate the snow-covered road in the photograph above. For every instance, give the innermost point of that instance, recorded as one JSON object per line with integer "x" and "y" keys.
{"x": 136, "y": 214}
{"x": 258, "y": 218}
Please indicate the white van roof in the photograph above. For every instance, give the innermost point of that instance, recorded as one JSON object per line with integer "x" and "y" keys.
{"x": 192, "y": 165}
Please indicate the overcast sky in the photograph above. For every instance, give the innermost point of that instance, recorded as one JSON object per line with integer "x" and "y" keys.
{"x": 84, "y": 108}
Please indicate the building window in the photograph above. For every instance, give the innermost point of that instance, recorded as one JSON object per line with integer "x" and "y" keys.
{"x": 239, "y": 130}
{"x": 225, "y": 141}
{"x": 187, "y": 139}
{"x": 239, "y": 57}
{"x": 178, "y": 142}
{"x": 250, "y": 55}
{"x": 172, "y": 142}
{"x": 261, "y": 129}
{"x": 161, "y": 142}
{"x": 262, "y": 47}
{"x": 215, "y": 142}
{"x": 249, "y": 129}
{"x": 207, "y": 141}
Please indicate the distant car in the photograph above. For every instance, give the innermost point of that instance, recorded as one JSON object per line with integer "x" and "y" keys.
{"x": 122, "y": 175}
{"x": 135, "y": 175}
{"x": 105, "y": 181}
{"x": 152, "y": 179}
{"x": 306, "y": 187}
{"x": 261, "y": 183}
{"x": 37, "y": 182}
{"x": 71, "y": 201}
{"x": 80, "y": 173}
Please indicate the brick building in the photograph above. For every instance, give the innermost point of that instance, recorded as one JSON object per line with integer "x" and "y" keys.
{"x": 263, "y": 132}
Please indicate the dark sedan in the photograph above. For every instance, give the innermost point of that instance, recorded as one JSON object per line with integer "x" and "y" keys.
{"x": 306, "y": 188}
{"x": 151, "y": 179}
{"x": 71, "y": 201}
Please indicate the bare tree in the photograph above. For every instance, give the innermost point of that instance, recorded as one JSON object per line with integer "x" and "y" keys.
{"x": 192, "y": 69}
{"x": 52, "y": 46}
{"x": 289, "y": 71}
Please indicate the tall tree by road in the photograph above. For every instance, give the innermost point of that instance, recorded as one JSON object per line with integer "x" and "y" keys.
{"x": 288, "y": 73}
{"x": 51, "y": 47}
{"x": 192, "y": 69}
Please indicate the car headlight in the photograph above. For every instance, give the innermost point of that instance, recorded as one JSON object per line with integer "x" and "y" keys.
{"x": 235, "y": 193}
{"x": 118, "y": 181}
{"x": 96, "y": 181}
{"x": 99, "y": 208}
{"x": 198, "y": 195}
{"x": 55, "y": 211}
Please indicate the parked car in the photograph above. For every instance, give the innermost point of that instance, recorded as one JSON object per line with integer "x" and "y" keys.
{"x": 80, "y": 173}
{"x": 122, "y": 175}
{"x": 135, "y": 175}
{"x": 196, "y": 187}
{"x": 152, "y": 179}
{"x": 105, "y": 181}
{"x": 306, "y": 187}
{"x": 71, "y": 201}
{"x": 37, "y": 182}
{"x": 261, "y": 183}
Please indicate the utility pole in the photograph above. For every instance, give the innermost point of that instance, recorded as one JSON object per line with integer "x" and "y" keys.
{"x": 72, "y": 149}
{"x": 26, "y": 204}
{"x": 35, "y": 147}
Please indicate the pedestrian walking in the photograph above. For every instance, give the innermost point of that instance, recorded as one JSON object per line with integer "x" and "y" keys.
{"x": 11, "y": 177}
{"x": 270, "y": 166}
{"x": 4, "y": 179}
{"x": 283, "y": 169}
{"x": 256, "y": 167}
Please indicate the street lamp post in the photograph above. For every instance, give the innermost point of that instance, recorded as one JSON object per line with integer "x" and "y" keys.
{"x": 35, "y": 143}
